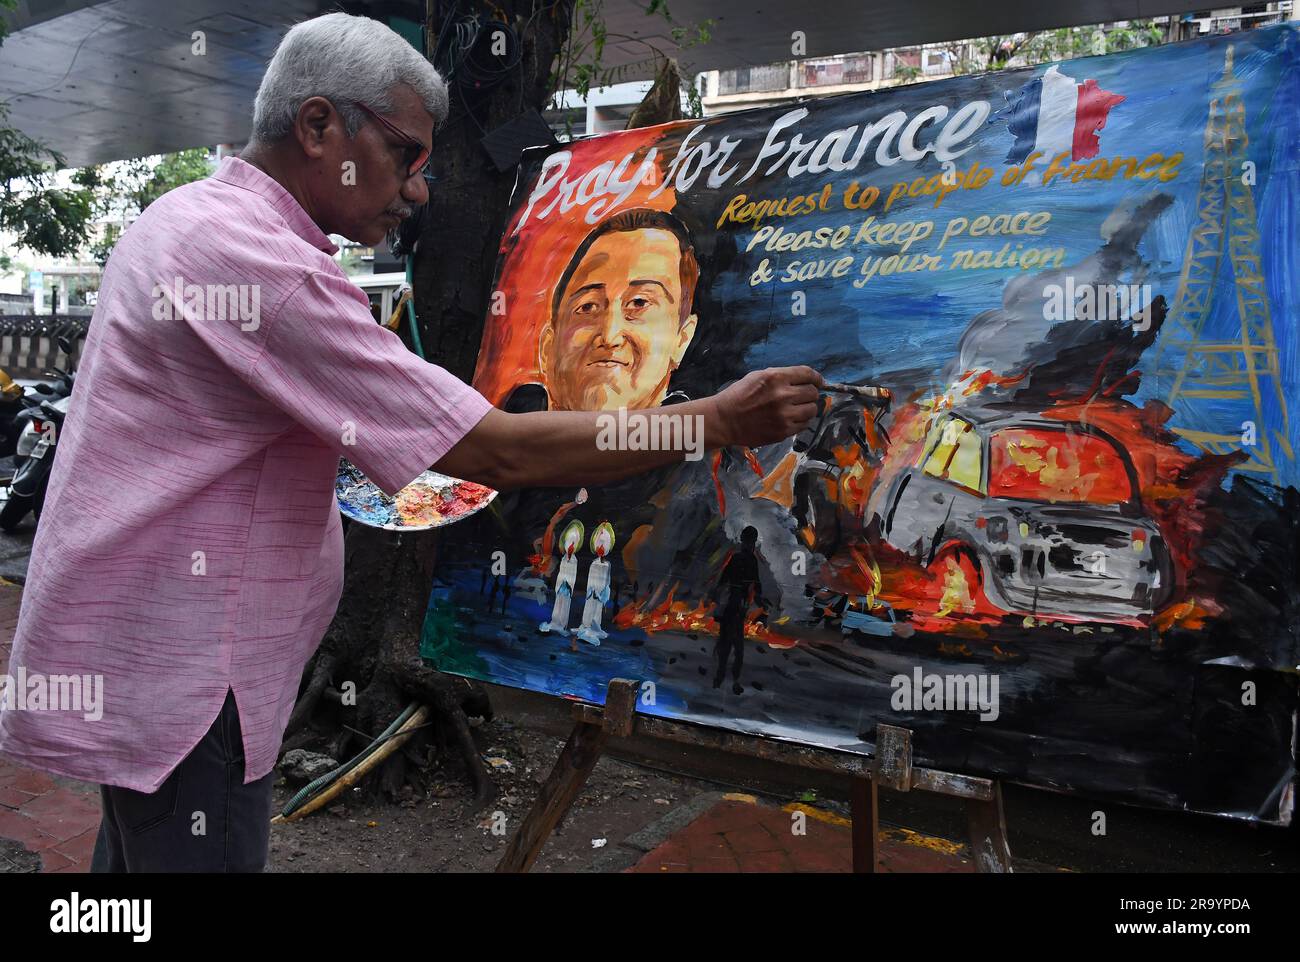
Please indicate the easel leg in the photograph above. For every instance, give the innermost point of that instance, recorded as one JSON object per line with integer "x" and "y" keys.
{"x": 578, "y": 757}
{"x": 562, "y": 785}
{"x": 866, "y": 824}
{"x": 988, "y": 833}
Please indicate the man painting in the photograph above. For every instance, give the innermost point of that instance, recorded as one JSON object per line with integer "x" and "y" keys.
{"x": 200, "y": 584}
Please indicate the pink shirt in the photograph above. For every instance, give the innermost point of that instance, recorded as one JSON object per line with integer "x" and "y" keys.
{"x": 190, "y": 540}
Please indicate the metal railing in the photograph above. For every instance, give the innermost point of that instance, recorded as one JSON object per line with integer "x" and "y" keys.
{"x": 29, "y": 343}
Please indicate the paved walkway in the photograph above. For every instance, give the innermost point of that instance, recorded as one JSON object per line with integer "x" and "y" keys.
{"x": 739, "y": 833}
{"x": 55, "y": 818}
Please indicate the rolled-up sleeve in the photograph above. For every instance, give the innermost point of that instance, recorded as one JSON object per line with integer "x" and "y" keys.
{"x": 353, "y": 383}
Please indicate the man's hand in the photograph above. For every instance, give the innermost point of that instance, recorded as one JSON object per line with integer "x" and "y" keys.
{"x": 764, "y": 407}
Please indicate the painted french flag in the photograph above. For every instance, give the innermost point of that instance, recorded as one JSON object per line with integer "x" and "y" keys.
{"x": 1054, "y": 113}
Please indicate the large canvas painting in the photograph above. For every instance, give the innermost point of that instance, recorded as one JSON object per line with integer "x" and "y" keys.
{"x": 1047, "y": 520}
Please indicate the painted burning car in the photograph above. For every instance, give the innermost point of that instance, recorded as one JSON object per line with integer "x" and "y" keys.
{"x": 1045, "y": 512}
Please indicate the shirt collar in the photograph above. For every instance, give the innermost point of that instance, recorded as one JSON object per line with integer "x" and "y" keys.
{"x": 240, "y": 173}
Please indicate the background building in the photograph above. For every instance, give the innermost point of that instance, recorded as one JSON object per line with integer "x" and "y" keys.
{"x": 741, "y": 88}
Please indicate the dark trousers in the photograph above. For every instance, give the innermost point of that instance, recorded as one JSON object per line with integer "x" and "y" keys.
{"x": 731, "y": 638}
{"x": 203, "y": 818}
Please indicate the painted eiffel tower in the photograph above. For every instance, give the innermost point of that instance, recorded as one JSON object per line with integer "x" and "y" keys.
{"x": 1241, "y": 370}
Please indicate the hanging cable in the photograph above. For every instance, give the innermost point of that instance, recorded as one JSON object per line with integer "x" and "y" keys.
{"x": 475, "y": 54}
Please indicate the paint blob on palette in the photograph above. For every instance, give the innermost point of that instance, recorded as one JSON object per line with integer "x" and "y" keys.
{"x": 430, "y": 501}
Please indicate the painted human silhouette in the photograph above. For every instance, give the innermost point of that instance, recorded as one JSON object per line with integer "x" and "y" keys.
{"x": 602, "y": 543}
{"x": 565, "y": 578}
{"x": 735, "y": 591}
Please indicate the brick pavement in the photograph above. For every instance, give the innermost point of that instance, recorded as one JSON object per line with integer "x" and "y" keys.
{"x": 741, "y": 834}
{"x": 54, "y": 817}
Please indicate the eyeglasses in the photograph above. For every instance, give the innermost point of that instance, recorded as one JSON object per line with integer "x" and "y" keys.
{"x": 421, "y": 156}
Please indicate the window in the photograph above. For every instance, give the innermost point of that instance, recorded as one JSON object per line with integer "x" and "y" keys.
{"x": 956, "y": 456}
{"x": 1046, "y": 464}
{"x": 763, "y": 79}
{"x": 934, "y": 60}
{"x": 860, "y": 69}
{"x": 903, "y": 62}
{"x": 822, "y": 73}
{"x": 734, "y": 81}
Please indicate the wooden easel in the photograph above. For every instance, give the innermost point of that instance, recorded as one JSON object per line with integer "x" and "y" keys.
{"x": 891, "y": 767}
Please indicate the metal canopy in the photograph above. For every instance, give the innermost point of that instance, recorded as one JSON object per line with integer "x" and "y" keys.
{"x": 102, "y": 81}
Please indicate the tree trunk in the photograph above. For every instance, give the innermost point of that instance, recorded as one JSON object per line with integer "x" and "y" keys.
{"x": 468, "y": 202}
{"x": 663, "y": 101}
{"x": 374, "y": 639}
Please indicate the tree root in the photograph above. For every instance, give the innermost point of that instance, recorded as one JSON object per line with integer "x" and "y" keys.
{"x": 448, "y": 696}
{"x": 320, "y": 677}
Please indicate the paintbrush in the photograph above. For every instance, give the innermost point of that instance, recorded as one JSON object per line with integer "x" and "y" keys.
{"x": 865, "y": 392}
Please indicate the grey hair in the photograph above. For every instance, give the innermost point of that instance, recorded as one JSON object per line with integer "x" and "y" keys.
{"x": 347, "y": 60}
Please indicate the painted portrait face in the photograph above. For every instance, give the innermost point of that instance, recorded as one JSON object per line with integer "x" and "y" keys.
{"x": 619, "y": 331}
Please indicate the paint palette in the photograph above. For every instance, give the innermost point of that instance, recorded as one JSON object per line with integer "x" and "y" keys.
{"x": 430, "y": 501}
